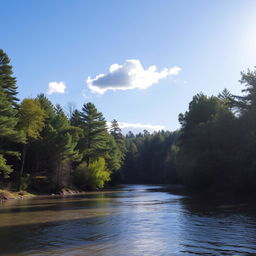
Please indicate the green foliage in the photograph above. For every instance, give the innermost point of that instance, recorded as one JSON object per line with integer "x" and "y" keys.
{"x": 76, "y": 119}
{"x": 149, "y": 158}
{"x": 8, "y": 121}
{"x": 7, "y": 81}
{"x": 247, "y": 102}
{"x": 59, "y": 146}
{"x": 91, "y": 176}
{"x": 206, "y": 143}
{"x": 25, "y": 182}
{"x": 31, "y": 123}
{"x": 116, "y": 132}
{"x": 31, "y": 118}
{"x": 94, "y": 142}
{"x": 5, "y": 169}
{"x": 114, "y": 156}
{"x": 214, "y": 149}
{"x": 53, "y": 144}
{"x": 9, "y": 135}
{"x": 47, "y": 106}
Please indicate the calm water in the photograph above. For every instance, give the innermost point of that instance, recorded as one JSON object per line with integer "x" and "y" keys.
{"x": 135, "y": 220}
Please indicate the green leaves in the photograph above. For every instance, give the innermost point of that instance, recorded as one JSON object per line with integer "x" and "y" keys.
{"x": 205, "y": 142}
{"x": 9, "y": 134}
{"x": 31, "y": 118}
{"x": 94, "y": 142}
{"x": 5, "y": 169}
{"x": 92, "y": 176}
{"x": 7, "y": 81}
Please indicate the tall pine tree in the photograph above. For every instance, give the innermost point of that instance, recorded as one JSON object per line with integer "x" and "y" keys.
{"x": 94, "y": 143}
{"x": 116, "y": 132}
{"x": 9, "y": 135}
{"x": 7, "y": 81}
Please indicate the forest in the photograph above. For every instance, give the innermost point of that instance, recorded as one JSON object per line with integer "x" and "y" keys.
{"x": 44, "y": 149}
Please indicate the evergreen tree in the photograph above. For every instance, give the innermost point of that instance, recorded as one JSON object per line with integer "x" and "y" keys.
{"x": 94, "y": 143}
{"x": 47, "y": 106}
{"x": 130, "y": 135}
{"x": 114, "y": 156}
{"x": 63, "y": 150}
{"x": 55, "y": 153}
{"x": 7, "y": 81}
{"x": 247, "y": 102}
{"x": 9, "y": 135}
{"x": 245, "y": 105}
{"x": 76, "y": 119}
{"x": 116, "y": 132}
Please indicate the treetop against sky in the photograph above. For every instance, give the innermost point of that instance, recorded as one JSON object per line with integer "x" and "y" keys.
{"x": 139, "y": 62}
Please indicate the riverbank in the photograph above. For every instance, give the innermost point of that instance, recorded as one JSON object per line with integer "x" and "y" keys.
{"x": 8, "y": 195}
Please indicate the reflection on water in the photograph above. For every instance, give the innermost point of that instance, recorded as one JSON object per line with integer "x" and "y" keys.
{"x": 136, "y": 220}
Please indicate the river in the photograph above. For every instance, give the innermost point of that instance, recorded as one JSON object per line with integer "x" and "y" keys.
{"x": 135, "y": 220}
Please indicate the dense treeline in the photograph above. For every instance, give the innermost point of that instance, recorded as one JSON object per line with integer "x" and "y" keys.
{"x": 41, "y": 148}
{"x": 217, "y": 146}
{"x": 150, "y": 158}
{"x": 44, "y": 149}
{"x": 214, "y": 150}
{"x": 218, "y": 140}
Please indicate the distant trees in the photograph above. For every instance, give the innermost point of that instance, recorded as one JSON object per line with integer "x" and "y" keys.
{"x": 117, "y": 147}
{"x": 149, "y": 158}
{"x": 116, "y": 132}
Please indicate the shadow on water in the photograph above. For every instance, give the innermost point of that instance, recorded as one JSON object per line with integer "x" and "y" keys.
{"x": 210, "y": 206}
{"x": 218, "y": 226}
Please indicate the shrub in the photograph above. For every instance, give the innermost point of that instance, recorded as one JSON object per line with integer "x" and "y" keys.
{"x": 91, "y": 176}
{"x": 25, "y": 182}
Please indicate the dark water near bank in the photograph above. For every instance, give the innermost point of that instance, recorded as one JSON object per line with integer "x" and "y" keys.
{"x": 134, "y": 220}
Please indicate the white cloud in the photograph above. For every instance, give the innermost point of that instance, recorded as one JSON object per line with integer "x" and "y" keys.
{"x": 132, "y": 126}
{"x": 130, "y": 75}
{"x": 56, "y": 87}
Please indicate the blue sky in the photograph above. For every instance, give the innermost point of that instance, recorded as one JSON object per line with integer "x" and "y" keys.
{"x": 69, "y": 41}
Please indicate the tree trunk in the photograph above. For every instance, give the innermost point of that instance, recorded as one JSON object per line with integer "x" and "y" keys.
{"x": 23, "y": 156}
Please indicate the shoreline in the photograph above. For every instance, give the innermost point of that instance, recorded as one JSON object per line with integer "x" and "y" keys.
{"x": 6, "y": 195}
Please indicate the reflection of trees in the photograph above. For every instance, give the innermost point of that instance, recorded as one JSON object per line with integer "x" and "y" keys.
{"x": 215, "y": 227}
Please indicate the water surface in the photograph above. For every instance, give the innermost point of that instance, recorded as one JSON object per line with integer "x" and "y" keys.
{"x": 135, "y": 220}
